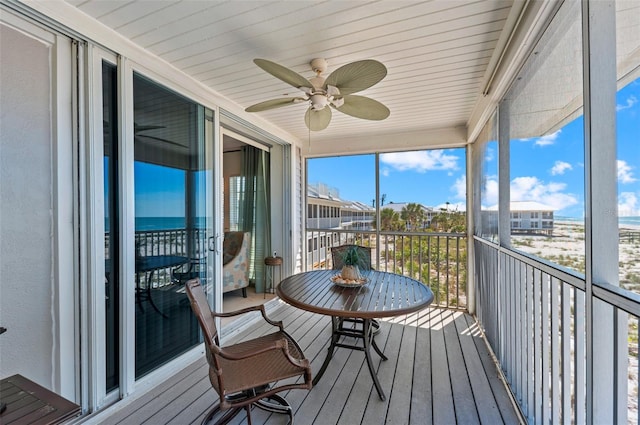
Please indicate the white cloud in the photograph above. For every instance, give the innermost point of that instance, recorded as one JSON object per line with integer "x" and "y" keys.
{"x": 628, "y": 204}
{"x": 530, "y": 189}
{"x": 631, "y": 101}
{"x": 533, "y": 189}
{"x": 490, "y": 155}
{"x": 548, "y": 139}
{"x": 421, "y": 161}
{"x": 490, "y": 194}
{"x": 560, "y": 167}
{"x": 384, "y": 171}
{"x": 624, "y": 172}
{"x": 460, "y": 187}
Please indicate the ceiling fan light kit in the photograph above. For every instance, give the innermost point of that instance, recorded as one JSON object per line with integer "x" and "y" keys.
{"x": 319, "y": 101}
{"x": 335, "y": 91}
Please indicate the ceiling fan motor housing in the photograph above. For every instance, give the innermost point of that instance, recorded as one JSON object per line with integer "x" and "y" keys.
{"x": 318, "y": 101}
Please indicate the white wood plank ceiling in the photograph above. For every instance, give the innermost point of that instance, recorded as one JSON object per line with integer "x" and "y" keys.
{"x": 436, "y": 52}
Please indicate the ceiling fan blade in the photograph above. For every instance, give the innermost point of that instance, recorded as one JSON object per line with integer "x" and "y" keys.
{"x": 357, "y": 76}
{"x": 284, "y": 74}
{"x": 160, "y": 139}
{"x": 364, "y": 107}
{"x": 274, "y": 103}
{"x": 317, "y": 120}
{"x": 138, "y": 128}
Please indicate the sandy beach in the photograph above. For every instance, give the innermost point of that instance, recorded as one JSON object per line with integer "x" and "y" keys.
{"x": 567, "y": 246}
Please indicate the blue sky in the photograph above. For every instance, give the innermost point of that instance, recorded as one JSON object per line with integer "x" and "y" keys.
{"x": 430, "y": 177}
{"x": 548, "y": 169}
{"x": 159, "y": 191}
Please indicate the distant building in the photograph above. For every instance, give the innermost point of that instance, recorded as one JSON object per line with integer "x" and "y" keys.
{"x": 356, "y": 215}
{"x": 327, "y": 211}
{"x": 526, "y": 217}
{"x": 323, "y": 207}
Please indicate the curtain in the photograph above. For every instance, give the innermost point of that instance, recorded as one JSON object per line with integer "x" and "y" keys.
{"x": 255, "y": 214}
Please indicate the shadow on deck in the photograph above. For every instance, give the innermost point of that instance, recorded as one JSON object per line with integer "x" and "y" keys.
{"x": 439, "y": 372}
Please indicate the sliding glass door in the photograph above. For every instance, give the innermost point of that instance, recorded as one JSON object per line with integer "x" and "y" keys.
{"x": 170, "y": 229}
{"x": 166, "y": 168}
{"x": 111, "y": 223}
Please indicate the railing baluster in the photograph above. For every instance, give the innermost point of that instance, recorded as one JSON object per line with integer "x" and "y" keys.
{"x": 566, "y": 344}
{"x": 555, "y": 352}
{"x": 457, "y": 271}
{"x": 529, "y": 404}
{"x": 438, "y": 269}
{"x": 544, "y": 390}
{"x": 580, "y": 354}
{"x": 447, "y": 270}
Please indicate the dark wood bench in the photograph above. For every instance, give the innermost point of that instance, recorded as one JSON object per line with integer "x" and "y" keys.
{"x": 28, "y": 402}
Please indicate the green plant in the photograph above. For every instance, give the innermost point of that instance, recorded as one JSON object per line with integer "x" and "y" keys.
{"x": 351, "y": 257}
{"x": 632, "y": 277}
{"x": 523, "y": 242}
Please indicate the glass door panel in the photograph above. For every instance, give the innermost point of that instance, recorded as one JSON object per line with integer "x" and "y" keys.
{"x": 170, "y": 234}
{"x": 110, "y": 152}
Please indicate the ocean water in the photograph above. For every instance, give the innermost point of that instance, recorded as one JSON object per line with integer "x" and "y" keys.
{"x": 631, "y": 220}
{"x": 161, "y": 223}
{"x": 622, "y": 221}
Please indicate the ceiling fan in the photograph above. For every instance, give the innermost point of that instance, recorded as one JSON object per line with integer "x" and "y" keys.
{"x": 139, "y": 129}
{"x": 335, "y": 91}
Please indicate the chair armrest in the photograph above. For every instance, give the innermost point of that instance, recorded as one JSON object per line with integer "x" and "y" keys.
{"x": 279, "y": 345}
{"x": 259, "y": 308}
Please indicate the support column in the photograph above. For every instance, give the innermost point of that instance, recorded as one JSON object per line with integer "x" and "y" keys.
{"x": 601, "y": 221}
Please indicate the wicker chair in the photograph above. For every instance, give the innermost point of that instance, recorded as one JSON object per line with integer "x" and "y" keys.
{"x": 364, "y": 263}
{"x": 364, "y": 255}
{"x": 243, "y": 374}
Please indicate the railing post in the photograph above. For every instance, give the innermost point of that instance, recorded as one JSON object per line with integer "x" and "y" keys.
{"x": 601, "y": 221}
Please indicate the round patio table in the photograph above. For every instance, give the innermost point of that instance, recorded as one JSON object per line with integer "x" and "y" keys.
{"x": 383, "y": 295}
{"x": 149, "y": 264}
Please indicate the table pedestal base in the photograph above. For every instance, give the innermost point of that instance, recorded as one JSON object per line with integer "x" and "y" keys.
{"x": 145, "y": 294}
{"x": 366, "y": 334}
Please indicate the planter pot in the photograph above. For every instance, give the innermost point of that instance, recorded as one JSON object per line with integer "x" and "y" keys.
{"x": 350, "y": 272}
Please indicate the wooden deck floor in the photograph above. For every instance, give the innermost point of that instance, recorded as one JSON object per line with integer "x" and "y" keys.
{"x": 438, "y": 372}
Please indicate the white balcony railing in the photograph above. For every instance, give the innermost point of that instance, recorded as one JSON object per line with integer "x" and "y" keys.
{"x": 439, "y": 260}
{"x": 534, "y": 316}
{"x": 181, "y": 242}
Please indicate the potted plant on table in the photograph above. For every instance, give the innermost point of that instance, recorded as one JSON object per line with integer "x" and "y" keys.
{"x": 351, "y": 260}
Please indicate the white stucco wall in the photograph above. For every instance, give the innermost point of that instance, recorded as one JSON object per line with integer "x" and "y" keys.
{"x": 25, "y": 208}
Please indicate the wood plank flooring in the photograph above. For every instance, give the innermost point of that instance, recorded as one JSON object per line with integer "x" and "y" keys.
{"x": 439, "y": 372}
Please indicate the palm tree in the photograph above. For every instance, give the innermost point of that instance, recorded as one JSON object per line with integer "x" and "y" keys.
{"x": 450, "y": 221}
{"x": 413, "y": 215}
{"x": 389, "y": 220}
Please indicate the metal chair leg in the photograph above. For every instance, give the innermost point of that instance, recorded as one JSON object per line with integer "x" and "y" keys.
{"x": 275, "y": 404}
{"x": 226, "y": 416}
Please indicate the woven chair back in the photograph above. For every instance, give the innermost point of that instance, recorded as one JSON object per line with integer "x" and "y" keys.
{"x": 364, "y": 256}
